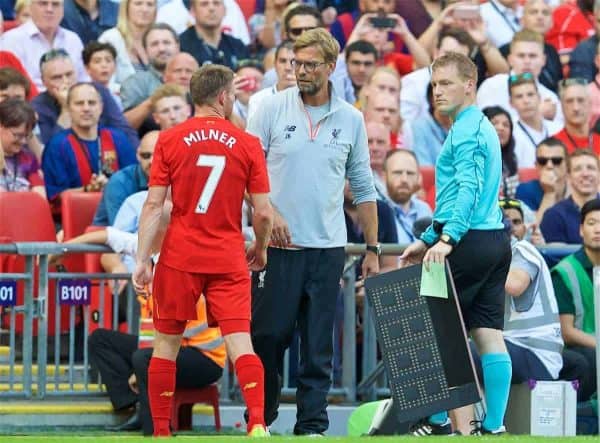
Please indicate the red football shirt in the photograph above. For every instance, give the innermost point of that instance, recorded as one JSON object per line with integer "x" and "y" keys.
{"x": 572, "y": 142}
{"x": 209, "y": 163}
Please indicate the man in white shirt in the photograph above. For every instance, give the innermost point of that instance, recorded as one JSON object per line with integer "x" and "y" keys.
{"x": 502, "y": 19}
{"x": 530, "y": 128}
{"x": 526, "y": 55}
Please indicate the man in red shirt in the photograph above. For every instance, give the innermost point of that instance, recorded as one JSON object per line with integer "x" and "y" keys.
{"x": 576, "y": 104}
{"x": 209, "y": 164}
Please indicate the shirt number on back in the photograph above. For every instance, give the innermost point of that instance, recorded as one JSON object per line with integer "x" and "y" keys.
{"x": 216, "y": 163}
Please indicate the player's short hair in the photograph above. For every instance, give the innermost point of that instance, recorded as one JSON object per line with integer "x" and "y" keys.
{"x": 79, "y": 85}
{"x": 10, "y": 76}
{"x": 321, "y": 39}
{"x": 94, "y": 46}
{"x": 285, "y": 44}
{"x": 168, "y": 90}
{"x": 16, "y": 112}
{"x": 553, "y": 142}
{"x": 580, "y": 152}
{"x": 529, "y": 36}
{"x": 160, "y": 27}
{"x": 208, "y": 82}
{"x": 591, "y": 206}
{"x": 394, "y": 152}
{"x": 460, "y": 35}
{"x": 362, "y": 47}
{"x": 299, "y": 9}
{"x": 464, "y": 66}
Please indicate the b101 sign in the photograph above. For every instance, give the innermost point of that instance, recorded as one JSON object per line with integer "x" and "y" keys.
{"x": 8, "y": 293}
{"x": 74, "y": 292}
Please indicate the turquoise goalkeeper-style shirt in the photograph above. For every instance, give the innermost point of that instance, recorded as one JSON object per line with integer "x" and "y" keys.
{"x": 468, "y": 174}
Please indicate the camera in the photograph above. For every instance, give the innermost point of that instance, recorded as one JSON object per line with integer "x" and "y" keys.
{"x": 383, "y": 22}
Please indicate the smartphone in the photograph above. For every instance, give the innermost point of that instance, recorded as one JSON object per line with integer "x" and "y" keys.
{"x": 250, "y": 84}
{"x": 383, "y": 22}
{"x": 466, "y": 12}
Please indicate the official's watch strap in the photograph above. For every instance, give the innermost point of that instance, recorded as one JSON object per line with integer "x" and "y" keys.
{"x": 447, "y": 239}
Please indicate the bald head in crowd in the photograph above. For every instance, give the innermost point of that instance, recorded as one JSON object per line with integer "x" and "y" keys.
{"x": 180, "y": 69}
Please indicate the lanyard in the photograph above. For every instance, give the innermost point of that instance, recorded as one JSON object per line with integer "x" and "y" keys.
{"x": 12, "y": 185}
{"x": 312, "y": 132}
{"x": 529, "y": 136}
{"x": 590, "y": 140}
{"x": 84, "y": 148}
{"x": 510, "y": 24}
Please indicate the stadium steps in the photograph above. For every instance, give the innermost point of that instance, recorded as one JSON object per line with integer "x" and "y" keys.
{"x": 51, "y": 370}
{"x": 4, "y": 353}
{"x": 52, "y": 387}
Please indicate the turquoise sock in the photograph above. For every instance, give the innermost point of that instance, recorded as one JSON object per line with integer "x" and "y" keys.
{"x": 438, "y": 419}
{"x": 497, "y": 373}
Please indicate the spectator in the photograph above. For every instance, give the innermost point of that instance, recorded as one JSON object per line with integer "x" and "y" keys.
{"x": 526, "y": 55}
{"x": 559, "y": 223}
{"x": 180, "y": 69}
{"x": 572, "y": 22}
{"x": 58, "y": 74}
{"x": 20, "y": 169}
{"x": 402, "y": 181}
{"x": 100, "y": 61}
{"x": 206, "y": 41}
{"x": 419, "y": 14}
{"x": 503, "y": 125}
{"x": 425, "y": 135}
{"x": 384, "y": 108}
{"x": 378, "y": 139}
{"x": 575, "y": 102}
{"x": 22, "y": 11}
{"x": 594, "y": 93}
{"x": 530, "y": 128}
{"x": 169, "y": 106}
{"x": 90, "y": 18}
{"x": 581, "y": 61}
{"x": 30, "y": 41}
{"x": 286, "y": 77}
{"x": 531, "y": 326}
{"x": 125, "y": 182}
{"x": 573, "y": 285}
{"x": 13, "y": 84}
{"x": 161, "y": 44}
{"x": 83, "y": 157}
{"x": 537, "y": 17}
{"x": 551, "y": 164}
{"x": 266, "y": 27}
{"x": 361, "y": 59}
{"x": 9, "y": 60}
{"x": 384, "y": 80}
{"x": 502, "y": 20}
{"x": 135, "y": 18}
{"x": 251, "y": 74}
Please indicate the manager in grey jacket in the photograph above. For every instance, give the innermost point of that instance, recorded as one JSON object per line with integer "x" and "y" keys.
{"x": 313, "y": 141}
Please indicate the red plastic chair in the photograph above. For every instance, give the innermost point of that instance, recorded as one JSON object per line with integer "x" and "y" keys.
{"x": 248, "y": 8}
{"x": 528, "y": 174}
{"x": 26, "y": 217}
{"x": 428, "y": 177}
{"x": 185, "y": 399}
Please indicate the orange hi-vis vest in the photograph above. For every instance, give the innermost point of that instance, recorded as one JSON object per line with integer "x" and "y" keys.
{"x": 197, "y": 333}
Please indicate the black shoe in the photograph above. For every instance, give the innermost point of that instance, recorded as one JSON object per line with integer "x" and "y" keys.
{"x": 132, "y": 424}
{"x": 423, "y": 428}
{"x": 478, "y": 429}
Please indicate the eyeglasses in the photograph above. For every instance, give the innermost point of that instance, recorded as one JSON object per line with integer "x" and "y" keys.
{"x": 509, "y": 203}
{"x": 520, "y": 77}
{"x": 566, "y": 82}
{"x": 145, "y": 155}
{"x": 543, "y": 161}
{"x": 297, "y": 32}
{"x": 308, "y": 66}
{"x": 22, "y": 137}
{"x": 52, "y": 54}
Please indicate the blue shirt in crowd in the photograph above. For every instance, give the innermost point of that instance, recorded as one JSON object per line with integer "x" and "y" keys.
{"x": 121, "y": 185}
{"x": 530, "y": 193}
{"x": 427, "y": 139}
{"x": 79, "y": 21}
{"x": 561, "y": 222}
{"x": 405, "y": 220}
{"x": 467, "y": 178}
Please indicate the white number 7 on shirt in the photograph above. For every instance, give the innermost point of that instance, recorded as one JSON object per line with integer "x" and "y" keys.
{"x": 217, "y": 165}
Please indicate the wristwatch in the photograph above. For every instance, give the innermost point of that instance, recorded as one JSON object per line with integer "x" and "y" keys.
{"x": 445, "y": 238}
{"x": 375, "y": 249}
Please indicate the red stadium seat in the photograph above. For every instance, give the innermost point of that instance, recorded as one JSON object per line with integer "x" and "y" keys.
{"x": 26, "y": 217}
{"x": 248, "y": 8}
{"x": 184, "y": 400}
{"x": 431, "y": 197}
{"x": 528, "y": 174}
{"x": 427, "y": 177}
{"x": 77, "y": 209}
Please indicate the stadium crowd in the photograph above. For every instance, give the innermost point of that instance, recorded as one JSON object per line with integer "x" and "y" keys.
{"x": 86, "y": 86}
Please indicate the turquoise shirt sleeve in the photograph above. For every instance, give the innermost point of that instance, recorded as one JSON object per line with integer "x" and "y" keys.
{"x": 469, "y": 164}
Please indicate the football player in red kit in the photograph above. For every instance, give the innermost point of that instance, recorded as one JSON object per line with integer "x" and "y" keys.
{"x": 209, "y": 165}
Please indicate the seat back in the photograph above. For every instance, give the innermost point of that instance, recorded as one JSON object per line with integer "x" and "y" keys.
{"x": 528, "y": 174}
{"x": 427, "y": 177}
{"x": 78, "y": 209}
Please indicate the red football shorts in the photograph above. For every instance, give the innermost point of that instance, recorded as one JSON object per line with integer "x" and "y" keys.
{"x": 175, "y": 294}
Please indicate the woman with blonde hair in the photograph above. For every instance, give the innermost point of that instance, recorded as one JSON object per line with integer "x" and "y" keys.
{"x": 135, "y": 17}
{"x": 22, "y": 11}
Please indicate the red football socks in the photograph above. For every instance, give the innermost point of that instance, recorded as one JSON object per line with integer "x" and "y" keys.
{"x": 250, "y": 373}
{"x": 161, "y": 386}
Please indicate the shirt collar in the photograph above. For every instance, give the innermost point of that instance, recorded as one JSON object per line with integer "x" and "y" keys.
{"x": 465, "y": 111}
{"x": 583, "y": 258}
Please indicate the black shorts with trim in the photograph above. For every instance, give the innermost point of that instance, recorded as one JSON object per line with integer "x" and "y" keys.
{"x": 479, "y": 265}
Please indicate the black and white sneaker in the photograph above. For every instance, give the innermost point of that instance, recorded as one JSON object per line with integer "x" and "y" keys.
{"x": 478, "y": 429}
{"x": 424, "y": 428}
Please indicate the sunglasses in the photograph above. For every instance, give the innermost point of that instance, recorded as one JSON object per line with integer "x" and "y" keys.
{"x": 520, "y": 77}
{"x": 145, "y": 155}
{"x": 565, "y": 83}
{"x": 52, "y": 54}
{"x": 543, "y": 161}
{"x": 509, "y": 203}
{"x": 297, "y": 32}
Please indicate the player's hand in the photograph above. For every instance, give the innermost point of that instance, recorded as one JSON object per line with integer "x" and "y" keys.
{"x": 280, "y": 235}
{"x": 413, "y": 254}
{"x": 257, "y": 259}
{"x": 142, "y": 277}
{"x": 536, "y": 237}
{"x": 370, "y": 265}
{"x": 437, "y": 254}
{"x": 133, "y": 385}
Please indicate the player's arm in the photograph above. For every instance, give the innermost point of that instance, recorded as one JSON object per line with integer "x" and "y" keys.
{"x": 150, "y": 222}
{"x": 262, "y": 219}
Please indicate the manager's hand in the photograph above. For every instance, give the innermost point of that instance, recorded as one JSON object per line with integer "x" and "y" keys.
{"x": 280, "y": 234}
